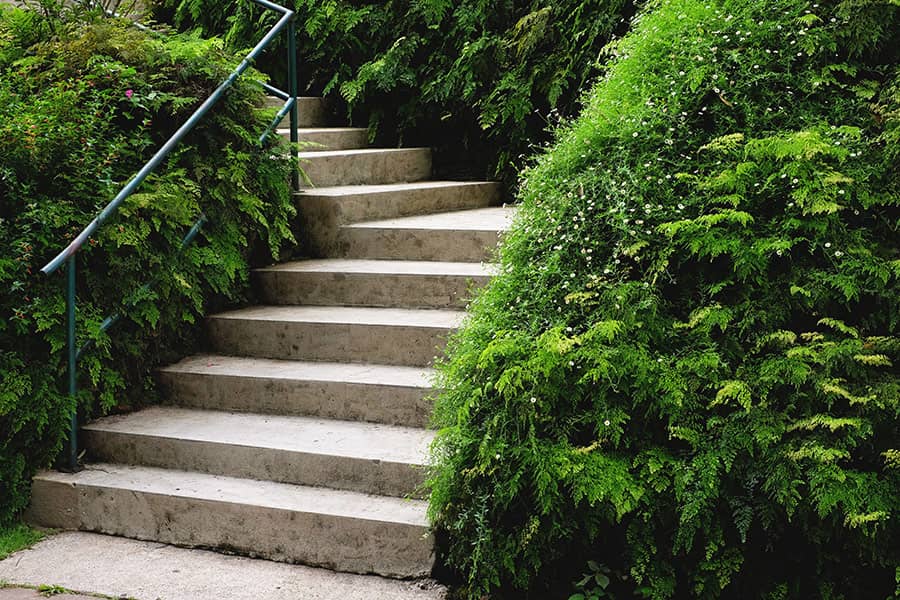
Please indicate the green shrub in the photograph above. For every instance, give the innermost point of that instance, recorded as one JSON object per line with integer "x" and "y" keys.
{"x": 687, "y": 370}
{"x": 476, "y": 79}
{"x": 17, "y": 537}
{"x": 82, "y": 106}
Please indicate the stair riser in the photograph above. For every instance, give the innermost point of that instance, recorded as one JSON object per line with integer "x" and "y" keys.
{"x": 340, "y": 543}
{"x": 311, "y": 112}
{"x": 353, "y": 208}
{"x": 391, "y": 405}
{"x": 381, "y": 344}
{"x": 336, "y": 139}
{"x": 417, "y": 244}
{"x": 371, "y": 168}
{"x": 336, "y": 472}
{"x": 377, "y": 290}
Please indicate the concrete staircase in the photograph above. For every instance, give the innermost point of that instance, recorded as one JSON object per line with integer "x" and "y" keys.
{"x": 301, "y": 435}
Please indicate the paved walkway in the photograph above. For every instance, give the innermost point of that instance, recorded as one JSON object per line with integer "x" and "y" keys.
{"x": 119, "y": 567}
{"x": 25, "y": 594}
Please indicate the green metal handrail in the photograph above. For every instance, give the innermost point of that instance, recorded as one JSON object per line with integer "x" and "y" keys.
{"x": 286, "y": 22}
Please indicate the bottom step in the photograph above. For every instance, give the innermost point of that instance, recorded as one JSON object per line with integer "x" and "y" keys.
{"x": 122, "y": 568}
{"x": 344, "y": 531}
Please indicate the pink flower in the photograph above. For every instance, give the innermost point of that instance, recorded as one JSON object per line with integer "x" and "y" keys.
{"x": 129, "y": 94}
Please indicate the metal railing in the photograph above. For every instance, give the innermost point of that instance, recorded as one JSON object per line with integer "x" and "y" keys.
{"x": 68, "y": 256}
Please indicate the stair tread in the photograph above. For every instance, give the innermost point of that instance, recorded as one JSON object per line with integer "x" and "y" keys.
{"x": 297, "y": 370}
{"x": 309, "y": 130}
{"x": 349, "y": 439}
{"x": 300, "y": 98}
{"x": 497, "y": 218}
{"x": 352, "y": 190}
{"x": 350, "y": 153}
{"x": 251, "y": 492}
{"x": 383, "y": 267}
{"x": 346, "y": 315}
{"x": 126, "y": 568}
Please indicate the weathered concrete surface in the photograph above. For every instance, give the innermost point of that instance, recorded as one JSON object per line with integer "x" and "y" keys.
{"x": 120, "y": 567}
{"x": 343, "y": 455}
{"x": 323, "y": 139}
{"x": 394, "y": 395}
{"x": 377, "y": 283}
{"x": 389, "y": 336}
{"x": 29, "y": 594}
{"x": 366, "y": 167}
{"x": 353, "y": 203}
{"x": 324, "y": 209}
{"x": 462, "y": 236}
{"x": 341, "y": 530}
{"x": 311, "y": 111}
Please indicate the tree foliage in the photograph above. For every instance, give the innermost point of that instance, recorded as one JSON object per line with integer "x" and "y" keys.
{"x": 478, "y": 79}
{"x": 84, "y": 102}
{"x": 687, "y": 370}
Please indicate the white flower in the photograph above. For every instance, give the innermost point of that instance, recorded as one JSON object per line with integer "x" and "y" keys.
{"x": 606, "y": 422}
{"x": 533, "y": 399}
{"x": 828, "y": 244}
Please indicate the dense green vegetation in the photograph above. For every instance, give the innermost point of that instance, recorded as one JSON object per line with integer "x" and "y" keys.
{"x": 17, "y": 537}
{"x": 478, "y": 79}
{"x": 83, "y": 103}
{"x": 687, "y": 371}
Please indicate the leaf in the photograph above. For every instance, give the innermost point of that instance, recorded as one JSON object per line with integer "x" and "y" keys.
{"x": 735, "y": 390}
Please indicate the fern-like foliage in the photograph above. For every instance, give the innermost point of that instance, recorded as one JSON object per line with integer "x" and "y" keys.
{"x": 84, "y": 103}
{"x": 687, "y": 370}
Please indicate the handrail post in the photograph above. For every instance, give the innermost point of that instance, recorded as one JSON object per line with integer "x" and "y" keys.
{"x": 73, "y": 365}
{"x": 293, "y": 88}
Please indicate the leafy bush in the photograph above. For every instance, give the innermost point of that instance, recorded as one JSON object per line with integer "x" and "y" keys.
{"x": 82, "y": 106}
{"x": 687, "y": 371}
{"x": 477, "y": 79}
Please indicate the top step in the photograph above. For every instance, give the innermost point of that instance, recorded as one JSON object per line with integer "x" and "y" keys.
{"x": 312, "y": 111}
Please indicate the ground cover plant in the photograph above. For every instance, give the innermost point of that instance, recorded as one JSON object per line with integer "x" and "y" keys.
{"x": 17, "y": 537}
{"x": 477, "y": 79}
{"x": 84, "y": 102}
{"x": 687, "y": 369}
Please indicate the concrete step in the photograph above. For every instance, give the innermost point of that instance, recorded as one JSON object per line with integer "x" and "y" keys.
{"x": 465, "y": 236}
{"x": 368, "y": 166}
{"x": 354, "y": 203}
{"x": 324, "y": 209}
{"x": 388, "y": 283}
{"x": 390, "y": 336}
{"x": 388, "y": 394}
{"x": 312, "y": 111}
{"x": 330, "y": 138}
{"x": 344, "y": 455}
{"x": 340, "y": 530}
{"x": 115, "y": 567}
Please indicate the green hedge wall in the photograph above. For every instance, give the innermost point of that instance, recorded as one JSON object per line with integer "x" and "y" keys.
{"x": 83, "y": 103}
{"x": 687, "y": 371}
{"x": 479, "y": 80}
